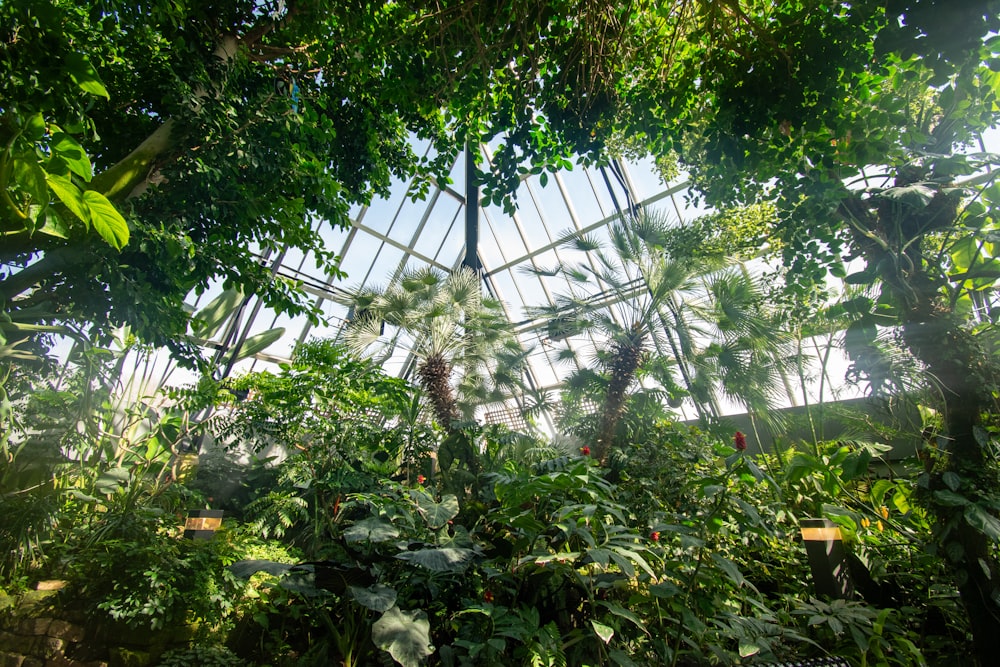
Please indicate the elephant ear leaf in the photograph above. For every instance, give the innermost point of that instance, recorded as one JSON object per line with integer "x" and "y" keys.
{"x": 448, "y": 559}
{"x": 371, "y": 530}
{"x": 438, "y": 514}
{"x": 405, "y": 635}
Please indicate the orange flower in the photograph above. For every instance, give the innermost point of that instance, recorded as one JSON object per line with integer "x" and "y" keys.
{"x": 421, "y": 479}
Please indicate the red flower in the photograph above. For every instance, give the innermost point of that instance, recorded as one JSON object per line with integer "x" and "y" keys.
{"x": 740, "y": 441}
{"x": 421, "y": 479}
{"x": 655, "y": 536}
{"x": 585, "y": 450}
{"x": 487, "y": 596}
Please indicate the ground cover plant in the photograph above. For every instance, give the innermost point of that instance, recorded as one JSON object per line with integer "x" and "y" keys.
{"x": 354, "y": 545}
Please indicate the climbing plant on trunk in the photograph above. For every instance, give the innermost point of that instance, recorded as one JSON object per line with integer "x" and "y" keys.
{"x": 897, "y": 179}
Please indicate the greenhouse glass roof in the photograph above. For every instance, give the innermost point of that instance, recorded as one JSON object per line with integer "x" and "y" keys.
{"x": 402, "y": 232}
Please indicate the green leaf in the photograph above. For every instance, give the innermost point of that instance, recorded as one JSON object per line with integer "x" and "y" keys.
{"x": 879, "y": 489}
{"x": 80, "y": 495}
{"x": 245, "y": 569}
{"x": 449, "y": 559}
{"x": 621, "y": 658}
{"x": 729, "y": 567}
{"x": 983, "y": 521}
{"x": 621, "y": 612}
{"x": 54, "y": 224}
{"x": 107, "y": 221}
{"x": 112, "y": 480}
{"x": 34, "y": 127}
{"x": 377, "y": 597}
{"x": 950, "y": 498}
{"x": 31, "y": 177}
{"x": 436, "y": 514}
{"x": 748, "y": 648}
{"x": 604, "y": 632}
{"x": 405, "y": 635}
{"x": 371, "y": 530}
{"x": 207, "y": 321}
{"x": 916, "y": 195}
{"x": 255, "y": 344}
{"x": 85, "y": 76}
{"x": 72, "y": 153}
{"x": 70, "y": 196}
{"x": 952, "y": 480}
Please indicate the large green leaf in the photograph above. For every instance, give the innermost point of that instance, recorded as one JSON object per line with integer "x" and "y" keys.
{"x": 207, "y": 321}
{"x": 376, "y": 598}
{"x": 604, "y": 632}
{"x": 72, "y": 153}
{"x": 245, "y": 569}
{"x": 405, "y": 635}
{"x": 31, "y": 177}
{"x": 85, "y": 76}
{"x": 371, "y": 530}
{"x": 437, "y": 514}
{"x": 107, "y": 221}
{"x": 448, "y": 559}
{"x": 111, "y": 480}
{"x": 256, "y": 344}
{"x": 917, "y": 195}
{"x": 983, "y": 521}
{"x": 69, "y": 195}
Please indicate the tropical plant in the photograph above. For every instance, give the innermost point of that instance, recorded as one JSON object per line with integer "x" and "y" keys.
{"x": 660, "y": 312}
{"x": 896, "y": 176}
{"x": 455, "y": 334}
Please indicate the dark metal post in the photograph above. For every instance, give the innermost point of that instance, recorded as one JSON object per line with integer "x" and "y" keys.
{"x": 827, "y": 558}
{"x": 471, "y": 213}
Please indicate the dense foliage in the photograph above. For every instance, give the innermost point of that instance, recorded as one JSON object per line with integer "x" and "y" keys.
{"x": 347, "y": 542}
{"x": 149, "y": 150}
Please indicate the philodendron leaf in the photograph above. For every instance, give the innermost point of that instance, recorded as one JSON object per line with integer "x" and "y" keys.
{"x": 437, "y": 514}
{"x": 405, "y": 635}
{"x": 450, "y": 559}
{"x": 371, "y": 530}
{"x": 376, "y": 598}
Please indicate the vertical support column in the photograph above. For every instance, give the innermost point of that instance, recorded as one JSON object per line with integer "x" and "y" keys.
{"x": 827, "y": 558}
{"x": 471, "y": 213}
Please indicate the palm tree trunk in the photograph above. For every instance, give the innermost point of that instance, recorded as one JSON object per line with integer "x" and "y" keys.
{"x": 625, "y": 360}
{"x": 435, "y": 379}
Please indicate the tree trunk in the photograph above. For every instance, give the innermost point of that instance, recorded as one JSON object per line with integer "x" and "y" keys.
{"x": 626, "y": 356}
{"x": 940, "y": 339}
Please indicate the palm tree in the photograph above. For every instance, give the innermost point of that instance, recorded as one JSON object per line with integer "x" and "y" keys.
{"x": 450, "y": 328}
{"x": 638, "y": 294}
{"x": 616, "y": 293}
